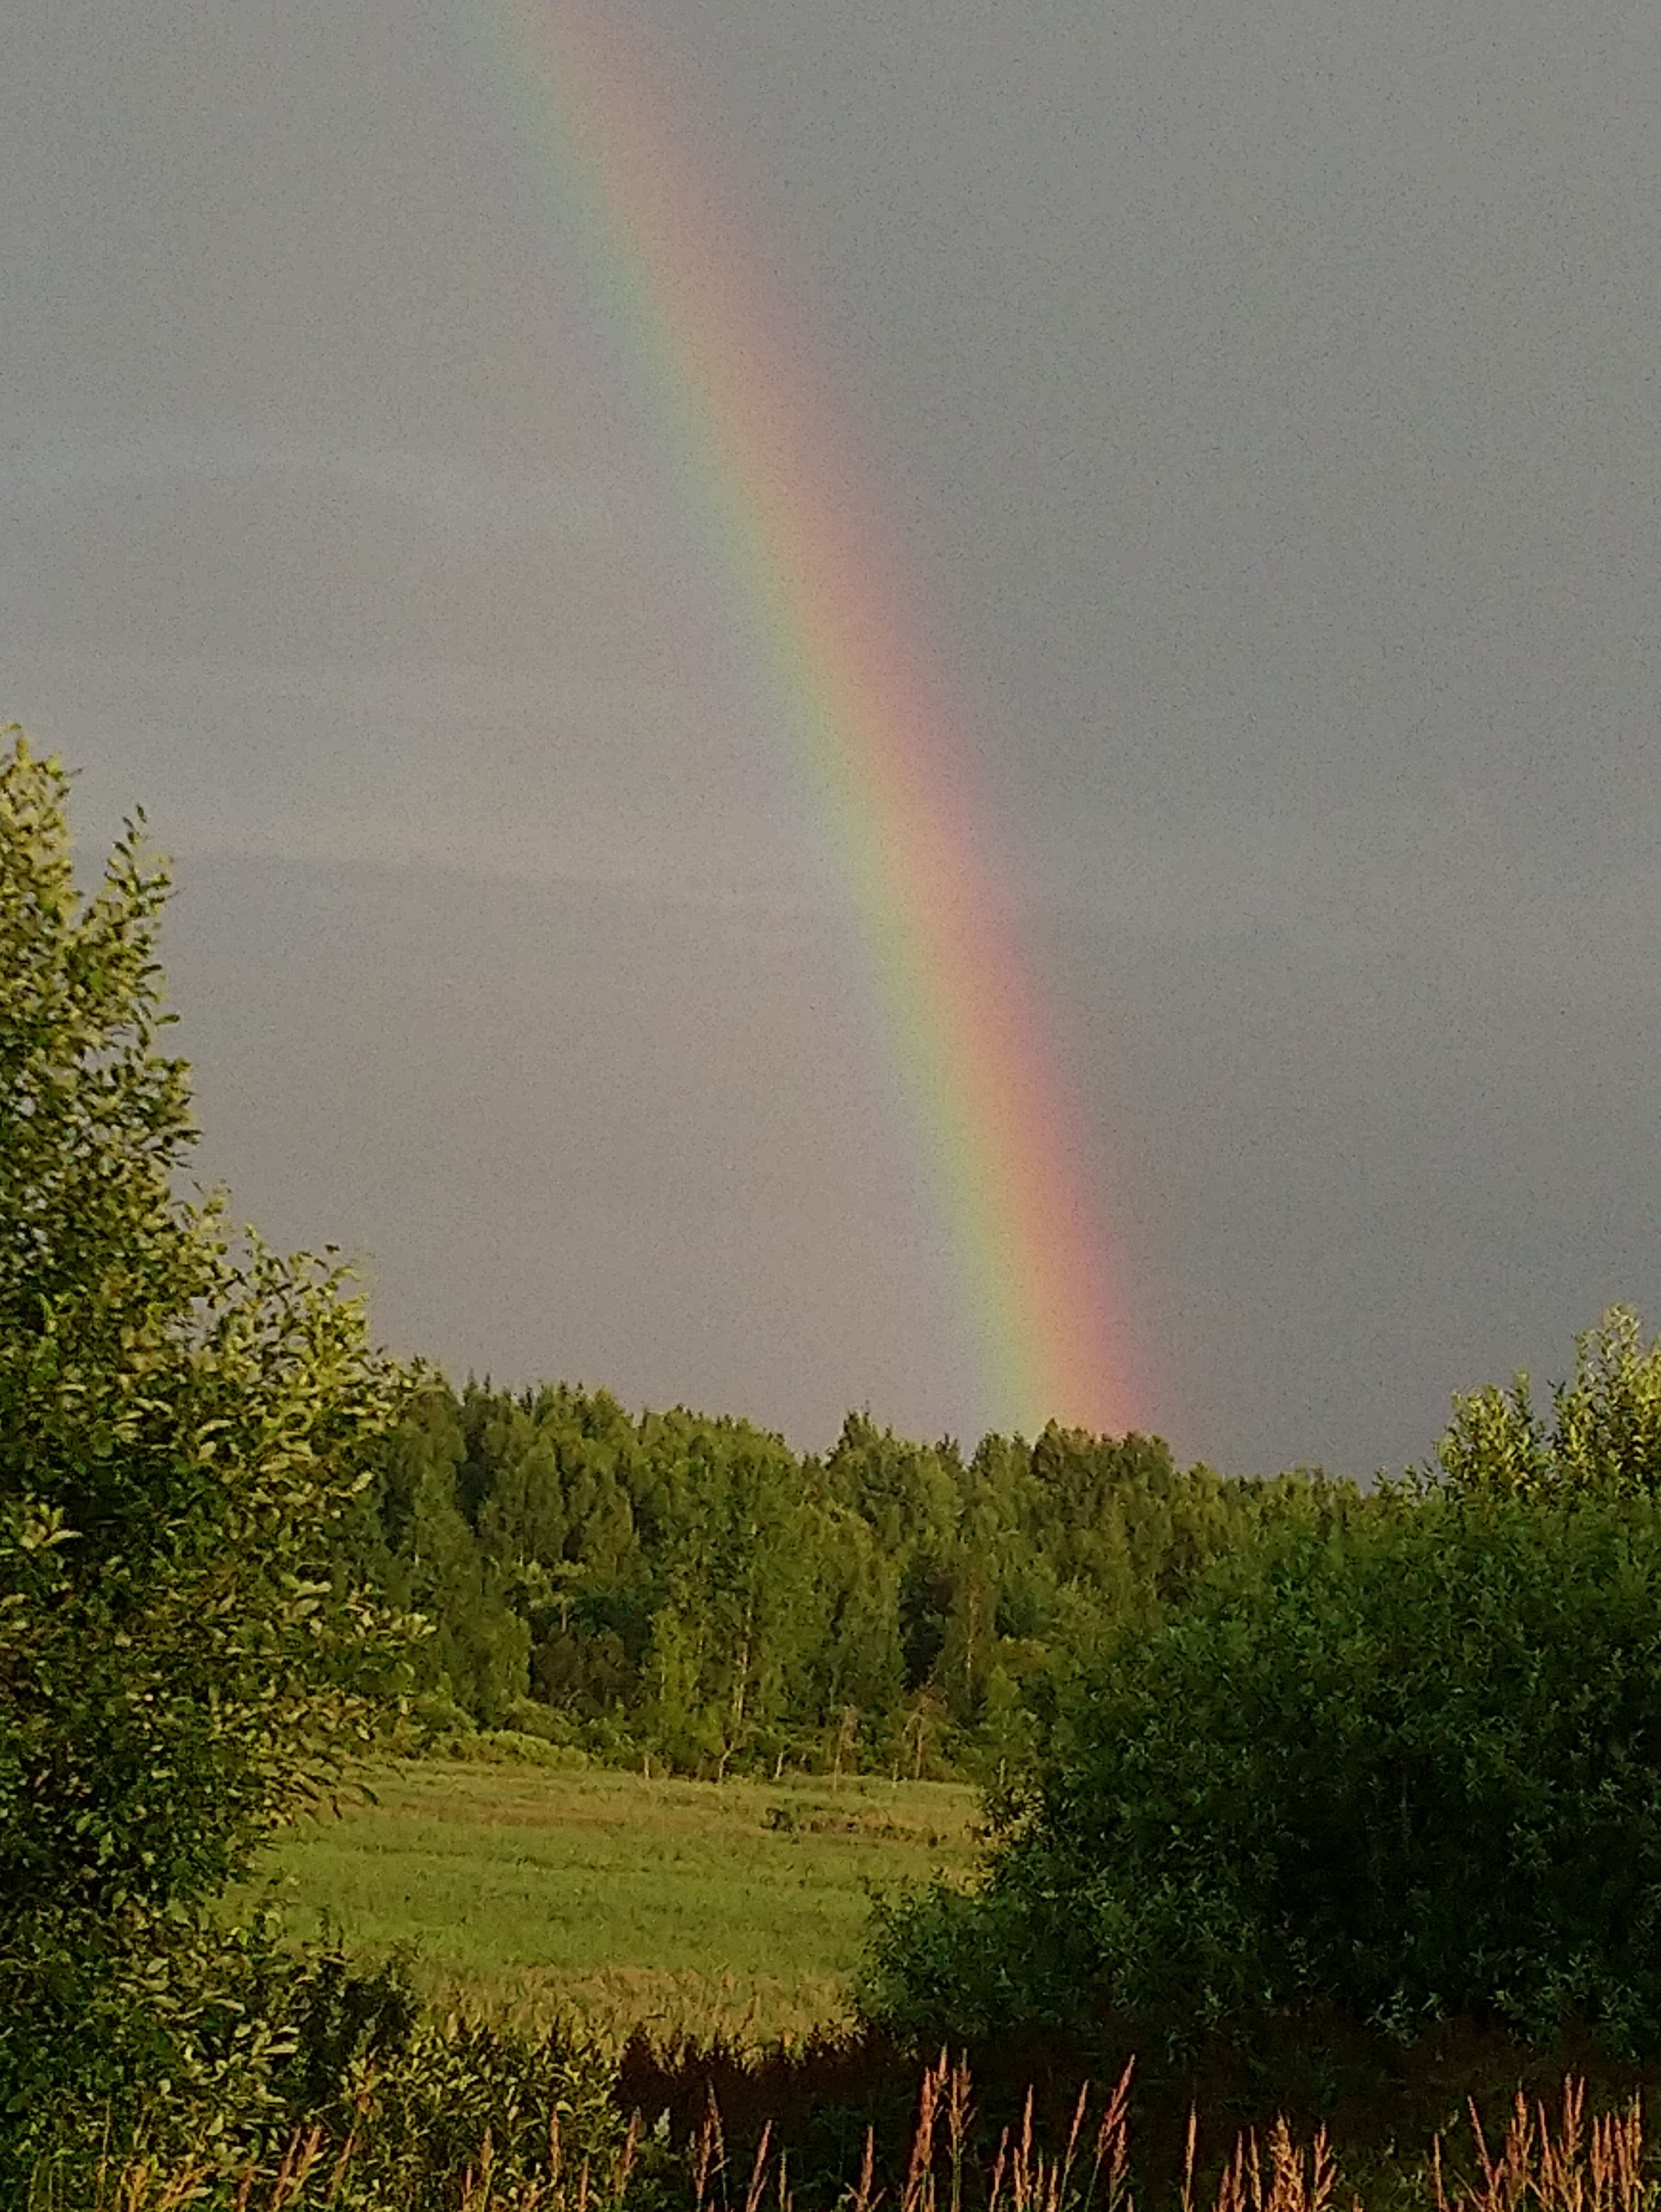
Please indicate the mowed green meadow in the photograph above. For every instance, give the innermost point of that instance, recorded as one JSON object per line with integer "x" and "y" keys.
{"x": 683, "y": 1907}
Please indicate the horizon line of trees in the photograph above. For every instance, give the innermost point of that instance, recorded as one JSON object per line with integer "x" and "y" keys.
{"x": 688, "y": 1588}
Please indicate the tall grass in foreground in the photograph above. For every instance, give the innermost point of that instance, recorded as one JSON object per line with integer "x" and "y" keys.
{"x": 1566, "y": 2164}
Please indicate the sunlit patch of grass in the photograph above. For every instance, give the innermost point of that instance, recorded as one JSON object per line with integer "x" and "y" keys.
{"x": 747, "y": 2013}
{"x": 737, "y": 1906}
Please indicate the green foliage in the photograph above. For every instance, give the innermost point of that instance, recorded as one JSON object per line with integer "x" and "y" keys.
{"x": 1605, "y": 1435}
{"x": 421, "y": 2098}
{"x": 183, "y": 1421}
{"x": 1387, "y": 1775}
{"x": 687, "y": 1591}
{"x": 380, "y": 2102}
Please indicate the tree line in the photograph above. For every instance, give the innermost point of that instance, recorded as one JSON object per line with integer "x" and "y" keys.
{"x": 678, "y": 1588}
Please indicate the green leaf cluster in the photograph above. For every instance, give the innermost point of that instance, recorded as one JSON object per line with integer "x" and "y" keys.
{"x": 423, "y": 2100}
{"x": 1603, "y": 1435}
{"x": 185, "y": 1421}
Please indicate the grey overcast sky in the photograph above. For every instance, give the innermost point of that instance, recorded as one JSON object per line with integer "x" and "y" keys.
{"x": 1264, "y": 398}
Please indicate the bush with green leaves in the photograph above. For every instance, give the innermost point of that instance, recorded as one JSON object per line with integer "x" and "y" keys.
{"x": 380, "y": 2102}
{"x": 1604, "y": 1434}
{"x": 420, "y": 2097}
{"x": 185, "y": 1423}
{"x": 1400, "y": 1772}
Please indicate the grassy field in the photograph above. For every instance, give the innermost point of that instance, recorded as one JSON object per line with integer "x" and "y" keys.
{"x": 682, "y": 1905}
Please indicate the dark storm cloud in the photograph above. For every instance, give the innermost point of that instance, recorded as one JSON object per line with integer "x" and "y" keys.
{"x": 1265, "y": 398}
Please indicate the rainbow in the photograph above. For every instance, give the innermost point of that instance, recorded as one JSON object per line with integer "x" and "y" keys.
{"x": 885, "y": 777}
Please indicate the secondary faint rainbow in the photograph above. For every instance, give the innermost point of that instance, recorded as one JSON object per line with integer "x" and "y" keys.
{"x": 873, "y": 742}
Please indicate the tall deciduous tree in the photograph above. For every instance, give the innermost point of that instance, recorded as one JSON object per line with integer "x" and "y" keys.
{"x": 183, "y": 1424}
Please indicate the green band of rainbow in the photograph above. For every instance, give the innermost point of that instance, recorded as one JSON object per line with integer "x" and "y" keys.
{"x": 884, "y": 775}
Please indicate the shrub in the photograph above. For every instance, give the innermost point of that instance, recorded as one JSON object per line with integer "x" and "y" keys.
{"x": 382, "y": 2104}
{"x": 1394, "y": 1775}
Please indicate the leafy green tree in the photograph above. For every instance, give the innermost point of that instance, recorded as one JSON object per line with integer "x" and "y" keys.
{"x": 1397, "y": 1770}
{"x": 184, "y": 1420}
{"x": 1604, "y": 1434}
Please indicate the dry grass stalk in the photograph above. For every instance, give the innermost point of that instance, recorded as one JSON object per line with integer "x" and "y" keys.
{"x": 1021, "y": 2177}
{"x": 1038, "y": 2184}
{"x": 865, "y": 2194}
{"x": 1572, "y": 2168}
{"x": 709, "y": 2154}
{"x": 1573, "y": 2164}
{"x": 1296, "y": 2181}
{"x": 918, "y": 2195}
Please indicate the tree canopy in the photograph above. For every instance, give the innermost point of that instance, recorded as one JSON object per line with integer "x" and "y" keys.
{"x": 685, "y": 1588}
{"x": 185, "y": 1423}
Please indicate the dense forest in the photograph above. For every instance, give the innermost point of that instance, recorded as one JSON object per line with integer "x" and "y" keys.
{"x": 689, "y": 1589}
